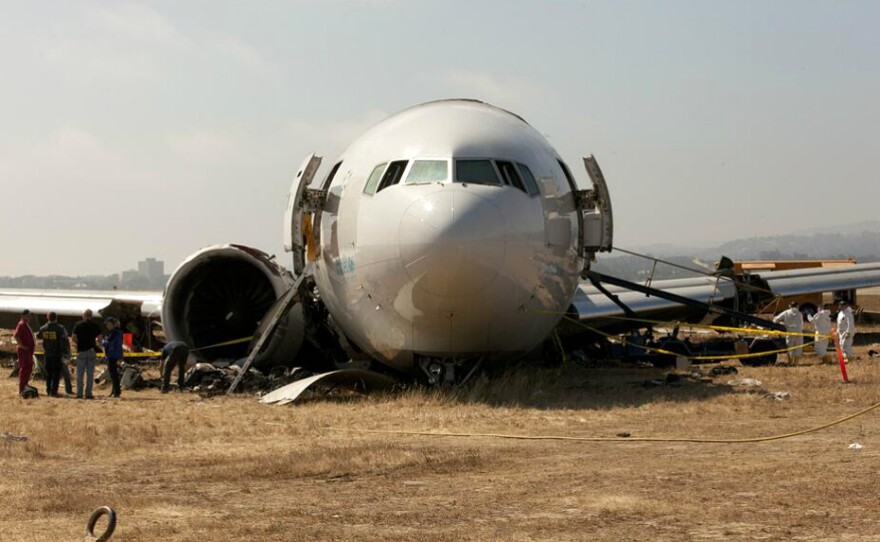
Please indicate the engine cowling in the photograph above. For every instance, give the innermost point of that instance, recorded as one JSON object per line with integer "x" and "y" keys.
{"x": 222, "y": 293}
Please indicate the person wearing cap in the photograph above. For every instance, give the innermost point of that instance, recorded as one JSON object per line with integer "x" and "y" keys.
{"x": 84, "y": 334}
{"x": 54, "y": 338}
{"x": 846, "y": 330}
{"x": 112, "y": 344}
{"x": 794, "y": 325}
{"x": 822, "y": 322}
{"x": 24, "y": 338}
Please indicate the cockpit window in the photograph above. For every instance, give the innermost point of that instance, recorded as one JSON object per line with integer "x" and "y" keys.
{"x": 392, "y": 175}
{"x": 528, "y": 179}
{"x": 510, "y": 174}
{"x": 428, "y": 171}
{"x": 476, "y": 172}
{"x": 373, "y": 181}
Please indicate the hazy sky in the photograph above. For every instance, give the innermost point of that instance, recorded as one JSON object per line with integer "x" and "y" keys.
{"x": 152, "y": 129}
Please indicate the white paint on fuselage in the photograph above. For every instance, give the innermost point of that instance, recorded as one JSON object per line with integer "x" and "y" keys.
{"x": 445, "y": 268}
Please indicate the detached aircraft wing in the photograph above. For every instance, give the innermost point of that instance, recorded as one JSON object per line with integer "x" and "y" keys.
{"x": 807, "y": 281}
{"x": 70, "y": 304}
{"x": 604, "y": 302}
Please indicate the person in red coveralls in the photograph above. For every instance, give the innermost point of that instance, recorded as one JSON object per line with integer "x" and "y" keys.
{"x": 24, "y": 337}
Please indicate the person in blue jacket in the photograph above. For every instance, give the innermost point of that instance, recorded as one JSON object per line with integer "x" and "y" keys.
{"x": 112, "y": 344}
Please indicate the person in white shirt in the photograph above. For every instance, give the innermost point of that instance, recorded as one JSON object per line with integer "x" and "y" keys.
{"x": 846, "y": 330}
{"x": 794, "y": 325}
{"x": 822, "y": 322}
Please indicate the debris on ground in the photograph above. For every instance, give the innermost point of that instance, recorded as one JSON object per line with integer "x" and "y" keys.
{"x": 855, "y": 446}
{"x": 778, "y": 395}
{"x": 699, "y": 376}
{"x": 873, "y": 354}
{"x": 723, "y": 370}
{"x": 674, "y": 380}
{"x": 132, "y": 379}
{"x": 29, "y": 392}
{"x": 13, "y": 438}
{"x": 215, "y": 378}
{"x": 357, "y": 378}
{"x": 205, "y": 378}
{"x": 745, "y": 382}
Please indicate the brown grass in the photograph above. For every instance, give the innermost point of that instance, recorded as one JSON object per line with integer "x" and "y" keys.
{"x": 177, "y": 467}
{"x": 869, "y": 302}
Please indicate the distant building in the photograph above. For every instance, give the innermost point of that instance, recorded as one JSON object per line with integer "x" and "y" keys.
{"x": 129, "y": 276}
{"x": 153, "y": 270}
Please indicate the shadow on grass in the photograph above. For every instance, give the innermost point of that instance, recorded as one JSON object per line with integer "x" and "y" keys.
{"x": 571, "y": 386}
{"x": 597, "y": 388}
{"x": 866, "y": 338}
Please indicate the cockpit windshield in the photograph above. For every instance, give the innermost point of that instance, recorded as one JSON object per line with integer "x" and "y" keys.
{"x": 485, "y": 171}
{"x": 428, "y": 171}
{"x": 476, "y": 172}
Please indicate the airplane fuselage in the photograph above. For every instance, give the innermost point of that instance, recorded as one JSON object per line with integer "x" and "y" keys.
{"x": 449, "y": 231}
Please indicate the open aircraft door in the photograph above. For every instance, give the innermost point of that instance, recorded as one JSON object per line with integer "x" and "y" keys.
{"x": 595, "y": 205}
{"x": 298, "y": 231}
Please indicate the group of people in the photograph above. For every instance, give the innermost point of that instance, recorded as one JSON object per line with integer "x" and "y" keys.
{"x": 793, "y": 320}
{"x": 56, "y": 348}
{"x": 86, "y": 336}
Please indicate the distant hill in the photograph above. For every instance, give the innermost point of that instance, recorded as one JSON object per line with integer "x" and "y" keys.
{"x": 860, "y": 241}
{"x": 848, "y": 229}
{"x": 863, "y": 246}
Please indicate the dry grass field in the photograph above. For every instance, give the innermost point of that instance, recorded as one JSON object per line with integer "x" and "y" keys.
{"x": 178, "y": 467}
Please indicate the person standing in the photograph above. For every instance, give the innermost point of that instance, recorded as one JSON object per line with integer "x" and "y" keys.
{"x": 846, "y": 330}
{"x": 65, "y": 365}
{"x": 794, "y": 325}
{"x": 85, "y": 332}
{"x": 112, "y": 344}
{"x": 175, "y": 353}
{"x": 24, "y": 338}
{"x": 54, "y": 338}
{"x": 822, "y": 322}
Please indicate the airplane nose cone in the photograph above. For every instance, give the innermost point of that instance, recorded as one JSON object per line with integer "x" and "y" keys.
{"x": 452, "y": 242}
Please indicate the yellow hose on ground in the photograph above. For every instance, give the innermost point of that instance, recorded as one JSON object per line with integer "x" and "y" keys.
{"x": 626, "y": 439}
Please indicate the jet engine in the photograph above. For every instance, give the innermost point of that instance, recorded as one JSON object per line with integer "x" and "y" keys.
{"x": 220, "y": 295}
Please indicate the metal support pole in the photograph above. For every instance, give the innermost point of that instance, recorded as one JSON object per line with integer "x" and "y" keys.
{"x": 289, "y": 298}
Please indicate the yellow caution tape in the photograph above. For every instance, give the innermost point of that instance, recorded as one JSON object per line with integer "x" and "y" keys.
{"x": 687, "y": 325}
{"x": 156, "y": 354}
{"x": 752, "y": 330}
{"x": 695, "y": 358}
{"x": 227, "y": 343}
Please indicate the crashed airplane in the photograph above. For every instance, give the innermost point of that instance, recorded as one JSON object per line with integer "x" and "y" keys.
{"x": 449, "y": 235}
